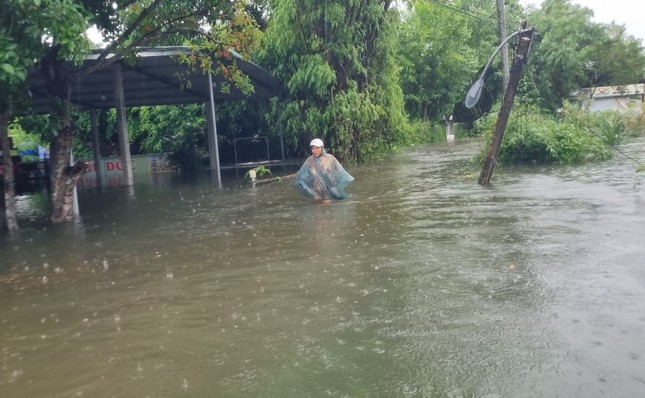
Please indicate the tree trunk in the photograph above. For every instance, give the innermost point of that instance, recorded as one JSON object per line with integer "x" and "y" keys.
{"x": 63, "y": 176}
{"x": 8, "y": 183}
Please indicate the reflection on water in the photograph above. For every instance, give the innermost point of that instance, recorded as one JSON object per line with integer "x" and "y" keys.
{"x": 424, "y": 284}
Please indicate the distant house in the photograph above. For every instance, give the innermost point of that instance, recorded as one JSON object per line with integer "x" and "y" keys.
{"x": 627, "y": 98}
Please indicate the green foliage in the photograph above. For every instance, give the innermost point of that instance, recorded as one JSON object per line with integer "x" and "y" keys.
{"x": 534, "y": 136}
{"x": 12, "y": 67}
{"x": 23, "y": 24}
{"x": 338, "y": 65}
{"x": 260, "y": 171}
{"x": 24, "y": 140}
{"x": 185, "y": 147}
{"x": 107, "y": 132}
{"x": 38, "y": 127}
{"x": 216, "y": 39}
{"x": 615, "y": 58}
{"x": 635, "y": 126}
{"x": 611, "y": 126}
{"x": 428, "y": 132}
{"x": 435, "y": 69}
{"x": 560, "y": 50}
{"x": 437, "y": 132}
{"x": 151, "y": 126}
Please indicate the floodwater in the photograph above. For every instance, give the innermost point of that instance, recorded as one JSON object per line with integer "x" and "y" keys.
{"x": 424, "y": 284}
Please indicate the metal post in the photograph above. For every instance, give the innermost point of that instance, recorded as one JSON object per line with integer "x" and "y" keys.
{"x": 96, "y": 149}
{"x": 235, "y": 149}
{"x": 268, "y": 153}
{"x": 237, "y": 174}
{"x": 75, "y": 194}
{"x": 502, "y": 119}
{"x": 284, "y": 166}
{"x": 212, "y": 133}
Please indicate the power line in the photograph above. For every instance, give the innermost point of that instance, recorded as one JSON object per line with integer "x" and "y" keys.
{"x": 466, "y": 12}
{"x": 489, "y": 19}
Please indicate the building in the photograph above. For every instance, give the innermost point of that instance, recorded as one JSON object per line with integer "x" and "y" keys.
{"x": 626, "y": 98}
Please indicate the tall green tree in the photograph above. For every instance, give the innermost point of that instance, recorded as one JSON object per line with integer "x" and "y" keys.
{"x": 616, "y": 58}
{"x": 337, "y": 62}
{"x": 437, "y": 61}
{"x": 571, "y": 51}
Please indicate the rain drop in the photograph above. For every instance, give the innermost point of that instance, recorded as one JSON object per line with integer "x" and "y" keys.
{"x": 15, "y": 374}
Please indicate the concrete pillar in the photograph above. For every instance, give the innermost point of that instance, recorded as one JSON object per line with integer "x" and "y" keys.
{"x": 122, "y": 124}
{"x": 96, "y": 149}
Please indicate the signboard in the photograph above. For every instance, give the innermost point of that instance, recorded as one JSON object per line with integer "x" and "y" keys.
{"x": 143, "y": 167}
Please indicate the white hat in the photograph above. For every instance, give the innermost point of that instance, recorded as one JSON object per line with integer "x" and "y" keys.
{"x": 317, "y": 142}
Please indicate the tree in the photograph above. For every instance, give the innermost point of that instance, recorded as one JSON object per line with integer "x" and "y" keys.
{"x": 615, "y": 58}
{"x": 27, "y": 27}
{"x": 571, "y": 51}
{"x": 437, "y": 60}
{"x": 337, "y": 62}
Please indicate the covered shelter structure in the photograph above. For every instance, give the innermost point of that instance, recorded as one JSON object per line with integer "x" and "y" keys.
{"x": 154, "y": 76}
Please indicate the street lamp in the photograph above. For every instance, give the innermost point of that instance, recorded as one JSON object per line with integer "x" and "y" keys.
{"x": 476, "y": 89}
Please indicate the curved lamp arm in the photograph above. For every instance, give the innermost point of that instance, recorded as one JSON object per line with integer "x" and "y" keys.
{"x": 476, "y": 89}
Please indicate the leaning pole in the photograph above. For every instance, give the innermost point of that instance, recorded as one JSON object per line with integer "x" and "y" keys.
{"x": 519, "y": 61}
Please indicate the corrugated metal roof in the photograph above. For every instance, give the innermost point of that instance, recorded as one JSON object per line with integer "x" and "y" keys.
{"x": 609, "y": 91}
{"x": 151, "y": 80}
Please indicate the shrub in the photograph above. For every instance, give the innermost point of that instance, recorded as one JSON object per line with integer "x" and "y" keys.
{"x": 535, "y": 136}
{"x": 184, "y": 148}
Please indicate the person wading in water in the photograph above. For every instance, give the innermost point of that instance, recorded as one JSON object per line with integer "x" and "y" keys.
{"x": 321, "y": 176}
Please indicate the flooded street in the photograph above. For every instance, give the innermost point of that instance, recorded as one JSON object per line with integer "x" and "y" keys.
{"x": 424, "y": 284}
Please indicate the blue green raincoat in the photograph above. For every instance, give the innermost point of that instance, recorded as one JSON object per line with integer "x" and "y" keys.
{"x": 323, "y": 177}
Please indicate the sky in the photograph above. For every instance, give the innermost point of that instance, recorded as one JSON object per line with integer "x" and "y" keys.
{"x": 630, "y": 13}
{"x": 623, "y": 12}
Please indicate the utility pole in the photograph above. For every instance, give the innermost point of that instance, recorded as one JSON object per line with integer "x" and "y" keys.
{"x": 521, "y": 55}
{"x": 501, "y": 16}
